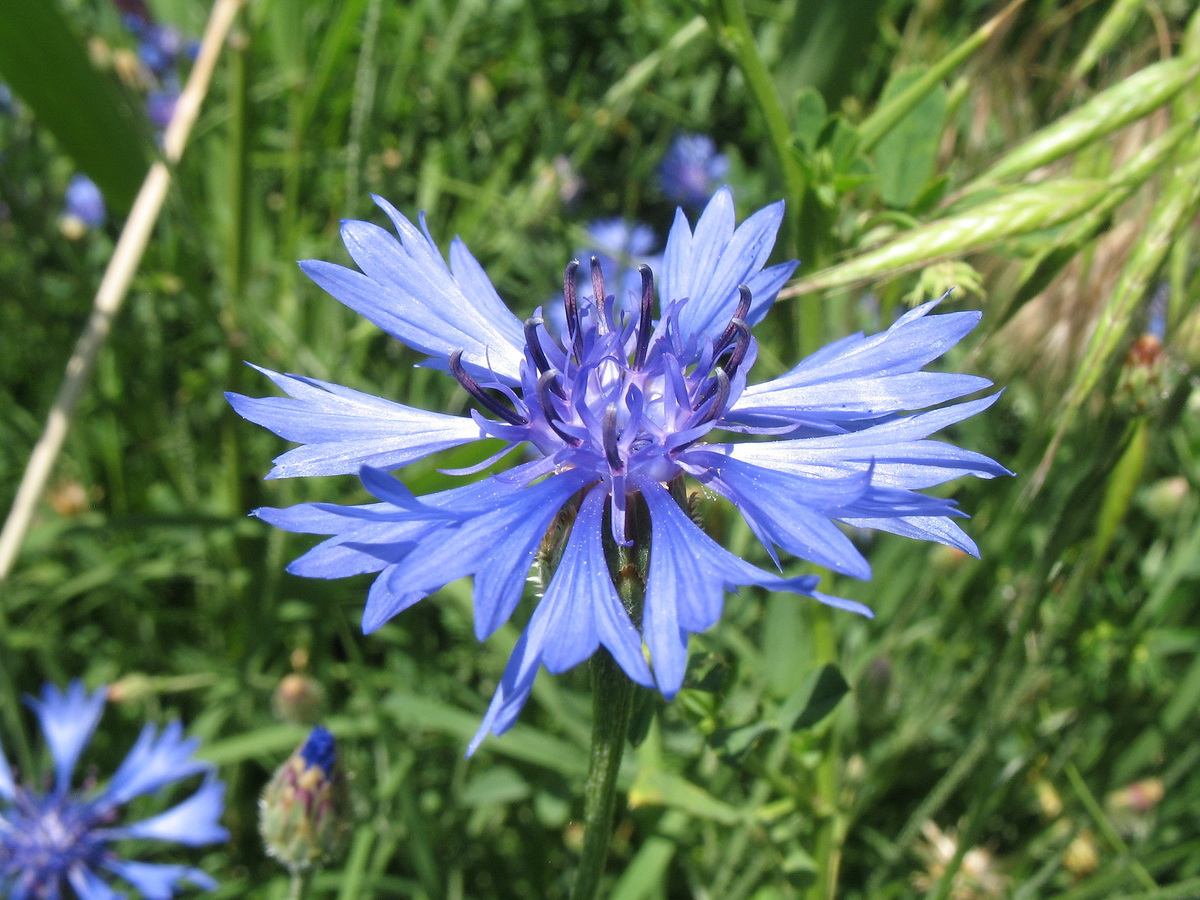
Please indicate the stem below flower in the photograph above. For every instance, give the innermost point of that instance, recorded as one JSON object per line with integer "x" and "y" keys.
{"x": 612, "y": 704}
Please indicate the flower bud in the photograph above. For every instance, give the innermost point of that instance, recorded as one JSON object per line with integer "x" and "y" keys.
{"x": 298, "y": 699}
{"x": 302, "y": 810}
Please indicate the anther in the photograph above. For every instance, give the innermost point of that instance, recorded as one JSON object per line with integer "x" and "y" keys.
{"x": 741, "y": 345}
{"x": 721, "y": 391}
{"x": 471, "y": 386}
{"x": 599, "y": 296}
{"x": 643, "y": 337}
{"x": 611, "y": 452}
{"x": 739, "y": 312}
{"x": 533, "y": 342}
{"x": 571, "y": 305}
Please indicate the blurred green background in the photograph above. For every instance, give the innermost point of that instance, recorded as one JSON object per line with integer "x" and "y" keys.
{"x": 1020, "y": 726}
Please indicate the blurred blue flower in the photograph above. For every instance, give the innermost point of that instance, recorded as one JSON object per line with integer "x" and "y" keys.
{"x": 617, "y": 411}
{"x": 160, "y": 104}
{"x": 84, "y": 202}
{"x": 61, "y": 840}
{"x": 691, "y": 170}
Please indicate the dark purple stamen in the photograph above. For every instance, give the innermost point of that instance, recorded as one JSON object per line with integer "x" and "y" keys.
{"x": 548, "y": 384}
{"x": 599, "y": 296}
{"x": 533, "y": 342}
{"x": 741, "y": 346}
{"x": 611, "y": 452}
{"x": 571, "y": 306}
{"x": 643, "y": 338}
{"x": 739, "y": 312}
{"x": 471, "y": 386}
{"x": 720, "y": 388}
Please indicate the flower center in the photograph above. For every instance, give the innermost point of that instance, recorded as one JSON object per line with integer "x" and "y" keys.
{"x": 614, "y": 394}
{"x": 44, "y": 839}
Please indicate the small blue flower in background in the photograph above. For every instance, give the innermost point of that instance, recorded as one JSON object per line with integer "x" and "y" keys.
{"x": 84, "y": 203}
{"x": 614, "y": 408}
{"x": 60, "y": 837}
{"x": 692, "y": 170}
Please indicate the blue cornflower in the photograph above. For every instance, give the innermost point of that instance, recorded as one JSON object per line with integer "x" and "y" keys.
{"x": 691, "y": 170}
{"x": 84, "y": 202}
{"x": 61, "y": 838}
{"x": 615, "y": 408}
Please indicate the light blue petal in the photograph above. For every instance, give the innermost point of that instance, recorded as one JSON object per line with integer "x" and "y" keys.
{"x": 923, "y": 528}
{"x": 8, "y": 787}
{"x": 158, "y": 881}
{"x": 192, "y": 822}
{"x": 88, "y": 885}
{"x": 407, "y": 289}
{"x": 68, "y": 720}
{"x": 346, "y": 429}
{"x": 788, "y": 510}
{"x": 156, "y": 760}
{"x": 501, "y": 537}
{"x": 685, "y": 589}
{"x": 857, "y": 398}
{"x": 707, "y": 266}
{"x": 579, "y": 612}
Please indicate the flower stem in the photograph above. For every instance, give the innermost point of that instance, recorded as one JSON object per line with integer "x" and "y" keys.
{"x": 297, "y": 885}
{"x": 612, "y": 704}
{"x": 733, "y": 30}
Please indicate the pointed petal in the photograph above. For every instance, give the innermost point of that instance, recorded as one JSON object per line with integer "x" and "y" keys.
{"x": 346, "y": 429}
{"x": 8, "y": 787}
{"x": 788, "y": 510}
{"x": 88, "y": 885}
{"x": 706, "y": 267}
{"x": 579, "y": 612}
{"x": 923, "y": 528}
{"x": 192, "y": 822}
{"x": 68, "y": 720}
{"x": 156, "y": 760}
{"x": 407, "y": 289}
{"x": 689, "y": 574}
{"x": 500, "y": 538}
{"x": 158, "y": 881}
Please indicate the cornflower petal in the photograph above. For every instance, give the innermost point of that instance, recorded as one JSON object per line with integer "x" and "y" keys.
{"x": 7, "y": 785}
{"x": 344, "y": 429}
{"x": 192, "y": 822}
{"x": 155, "y": 760}
{"x": 706, "y": 267}
{"x": 408, "y": 290}
{"x": 88, "y": 886}
{"x": 787, "y": 510}
{"x": 68, "y": 720}
{"x": 497, "y": 542}
{"x": 159, "y": 881}
{"x": 579, "y": 613}
{"x": 689, "y": 574}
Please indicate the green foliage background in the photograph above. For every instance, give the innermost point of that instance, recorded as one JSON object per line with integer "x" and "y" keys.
{"x": 1045, "y": 161}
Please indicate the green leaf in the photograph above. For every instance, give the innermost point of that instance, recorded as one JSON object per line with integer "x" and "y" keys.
{"x": 906, "y": 155}
{"x": 46, "y": 64}
{"x": 815, "y": 699}
{"x": 810, "y": 118}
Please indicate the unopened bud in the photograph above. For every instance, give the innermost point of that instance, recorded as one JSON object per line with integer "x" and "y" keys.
{"x": 298, "y": 699}
{"x": 302, "y": 810}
